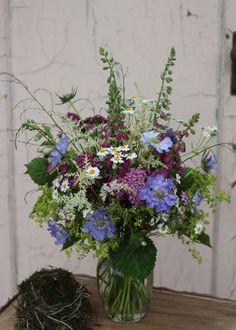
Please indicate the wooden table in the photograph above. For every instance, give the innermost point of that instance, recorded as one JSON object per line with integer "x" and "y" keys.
{"x": 169, "y": 310}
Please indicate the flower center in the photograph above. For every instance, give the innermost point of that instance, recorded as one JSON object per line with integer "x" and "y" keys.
{"x": 99, "y": 223}
{"x": 92, "y": 171}
{"x": 159, "y": 193}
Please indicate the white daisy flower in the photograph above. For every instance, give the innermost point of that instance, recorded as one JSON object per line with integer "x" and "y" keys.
{"x": 131, "y": 155}
{"x": 198, "y": 228}
{"x": 117, "y": 159}
{"x": 123, "y": 148}
{"x": 103, "y": 152}
{"x": 129, "y": 110}
{"x": 116, "y": 153}
{"x": 92, "y": 172}
{"x": 64, "y": 185}
{"x": 112, "y": 149}
{"x": 87, "y": 213}
{"x": 163, "y": 229}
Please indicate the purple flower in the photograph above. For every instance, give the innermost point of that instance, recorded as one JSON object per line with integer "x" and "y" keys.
{"x": 159, "y": 193}
{"x": 58, "y": 231}
{"x": 209, "y": 163}
{"x": 99, "y": 225}
{"x": 56, "y": 155}
{"x": 149, "y": 137}
{"x": 164, "y": 145}
{"x": 135, "y": 179}
{"x": 184, "y": 198}
{"x": 197, "y": 199}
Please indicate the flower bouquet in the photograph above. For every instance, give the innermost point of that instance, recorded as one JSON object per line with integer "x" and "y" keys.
{"x": 112, "y": 181}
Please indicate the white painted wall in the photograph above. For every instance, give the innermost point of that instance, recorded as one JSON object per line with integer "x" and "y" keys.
{"x": 54, "y": 44}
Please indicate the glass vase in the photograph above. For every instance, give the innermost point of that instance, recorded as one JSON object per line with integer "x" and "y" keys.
{"x": 125, "y": 299}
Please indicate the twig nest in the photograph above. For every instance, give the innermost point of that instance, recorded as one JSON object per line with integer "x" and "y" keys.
{"x": 52, "y": 299}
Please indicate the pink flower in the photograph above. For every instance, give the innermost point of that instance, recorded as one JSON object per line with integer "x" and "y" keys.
{"x": 135, "y": 179}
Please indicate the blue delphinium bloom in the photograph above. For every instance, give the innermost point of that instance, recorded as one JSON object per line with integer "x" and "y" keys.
{"x": 59, "y": 232}
{"x": 159, "y": 193}
{"x": 99, "y": 225}
{"x": 56, "y": 155}
{"x": 209, "y": 163}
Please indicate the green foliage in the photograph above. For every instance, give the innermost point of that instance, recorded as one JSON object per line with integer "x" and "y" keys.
{"x": 204, "y": 238}
{"x": 136, "y": 257}
{"x": 37, "y": 169}
{"x": 45, "y": 207}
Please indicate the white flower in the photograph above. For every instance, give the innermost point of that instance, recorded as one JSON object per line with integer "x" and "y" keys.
{"x": 198, "y": 228}
{"x": 87, "y": 213}
{"x": 163, "y": 229}
{"x": 209, "y": 131}
{"x": 55, "y": 194}
{"x": 92, "y": 172}
{"x": 177, "y": 178}
{"x": 129, "y": 110}
{"x": 56, "y": 183}
{"x": 131, "y": 155}
{"x": 112, "y": 149}
{"x": 103, "y": 152}
{"x": 123, "y": 148}
{"x": 117, "y": 159}
{"x": 64, "y": 185}
{"x": 116, "y": 153}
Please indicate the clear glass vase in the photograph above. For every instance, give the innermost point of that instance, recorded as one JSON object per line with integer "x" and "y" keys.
{"x": 125, "y": 299}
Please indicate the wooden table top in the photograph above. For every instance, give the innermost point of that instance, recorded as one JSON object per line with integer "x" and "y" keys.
{"x": 169, "y": 310}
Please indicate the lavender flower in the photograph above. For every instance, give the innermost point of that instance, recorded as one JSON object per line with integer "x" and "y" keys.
{"x": 209, "y": 163}
{"x": 99, "y": 225}
{"x": 58, "y": 231}
{"x": 197, "y": 199}
{"x": 159, "y": 193}
{"x": 56, "y": 155}
{"x": 151, "y": 139}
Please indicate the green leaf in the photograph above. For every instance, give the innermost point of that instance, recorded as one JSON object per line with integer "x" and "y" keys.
{"x": 37, "y": 169}
{"x": 137, "y": 257}
{"x": 205, "y": 239}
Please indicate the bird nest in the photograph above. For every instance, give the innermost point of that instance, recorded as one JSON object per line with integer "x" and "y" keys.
{"x": 52, "y": 299}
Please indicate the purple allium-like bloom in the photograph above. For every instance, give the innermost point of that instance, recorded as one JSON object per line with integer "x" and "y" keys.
{"x": 159, "y": 193}
{"x": 56, "y": 155}
{"x": 59, "y": 232}
{"x": 99, "y": 225}
{"x": 209, "y": 163}
{"x": 135, "y": 179}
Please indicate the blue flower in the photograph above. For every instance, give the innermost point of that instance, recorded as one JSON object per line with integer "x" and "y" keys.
{"x": 99, "y": 225}
{"x": 159, "y": 193}
{"x": 209, "y": 163}
{"x": 56, "y": 155}
{"x": 59, "y": 232}
{"x": 197, "y": 199}
{"x": 164, "y": 145}
{"x": 151, "y": 139}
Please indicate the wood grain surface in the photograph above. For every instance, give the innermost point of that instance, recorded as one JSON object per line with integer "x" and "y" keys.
{"x": 169, "y": 310}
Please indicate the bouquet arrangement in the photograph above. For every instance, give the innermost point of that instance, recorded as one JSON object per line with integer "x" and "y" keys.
{"x": 109, "y": 182}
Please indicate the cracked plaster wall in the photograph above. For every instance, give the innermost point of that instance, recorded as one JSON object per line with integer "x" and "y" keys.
{"x": 54, "y": 44}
